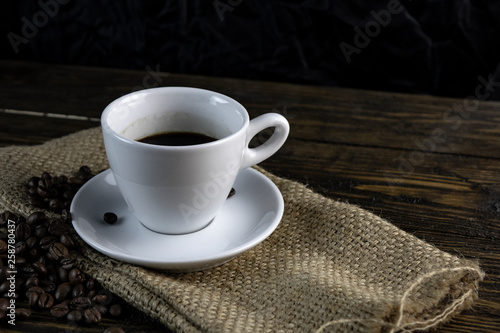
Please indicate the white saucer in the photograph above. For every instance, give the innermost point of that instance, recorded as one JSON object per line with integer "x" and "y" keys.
{"x": 245, "y": 220}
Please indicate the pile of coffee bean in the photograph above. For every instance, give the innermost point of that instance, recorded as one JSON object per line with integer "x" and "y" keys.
{"x": 56, "y": 192}
{"x": 46, "y": 273}
{"x": 37, "y": 251}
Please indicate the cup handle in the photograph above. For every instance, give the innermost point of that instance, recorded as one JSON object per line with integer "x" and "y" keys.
{"x": 256, "y": 155}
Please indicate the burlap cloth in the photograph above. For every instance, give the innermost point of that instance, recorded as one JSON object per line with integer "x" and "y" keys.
{"x": 329, "y": 266}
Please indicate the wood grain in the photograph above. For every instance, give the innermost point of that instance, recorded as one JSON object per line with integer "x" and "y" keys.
{"x": 429, "y": 165}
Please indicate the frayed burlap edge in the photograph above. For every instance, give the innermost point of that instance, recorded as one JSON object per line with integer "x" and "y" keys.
{"x": 309, "y": 263}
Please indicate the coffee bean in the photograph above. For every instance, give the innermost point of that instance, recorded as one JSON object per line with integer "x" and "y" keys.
{"x": 62, "y": 274}
{"x": 56, "y": 205}
{"x": 7, "y": 215}
{"x": 43, "y": 192}
{"x": 36, "y": 218}
{"x": 66, "y": 214}
{"x": 76, "y": 181}
{"x": 19, "y": 282}
{"x": 20, "y": 247}
{"x": 75, "y": 276}
{"x": 59, "y": 180}
{"x": 85, "y": 171}
{"x": 28, "y": 270}
{"x": 68, "y": 263}
{"x": 37, "y": 290}
{"x": 63, "y": 291}
{"x": 46, "y": 175}
{"x": 47, "y": 285}
{"x": 115, "y": 310}
{"x": 45, "y": 301}
{"x": 58, "y": 251}
{"x": 100, "y": 298}
{"x": 4, "y": 303}
{"x": 3, "y": 246}
{"x": 46, "y": 242}
{"x": 75, "y": 316}
{"x": 78, "y": 290}
{"x": 23, "y": 231}
{"x": 231, "y": 193}
{"x": 41, "y": 231}
{"x": 92, "y": 316}
{"x": 40, "y": 267}
{"x": 4, "y": 286}
{"x": 31, "y": 242}
{"x": 45, "y": 182}
{"x": 91, "y": 294}
{"x": 113, "y": 329}
{"x": 80, "y": 303}
{"x": 68, "y": 195}
{"x": 101, "y": 308}
{"x": 3, "y": 220}
{"x": 3, "y": 273}
{"x": 22, "y": 313}
{"x": 110, "y": 218}
{"x": 32, "y": 190}
{"x": 32, "y": 298}
{"x": 90, "y": 284}
{"x": 33, "y": 253}
{"x": 20, "y": 260}
{"x": 32, "y": 282}
{"x": 59, "y": 310}
{"x": 33, "y": 182}
{"x": 66, "y": 240}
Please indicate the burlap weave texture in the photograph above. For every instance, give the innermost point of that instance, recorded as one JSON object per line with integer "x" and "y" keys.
{"x": 329, "y": 266}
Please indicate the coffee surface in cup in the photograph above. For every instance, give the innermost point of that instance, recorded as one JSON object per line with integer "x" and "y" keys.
{"x": 177, "y": 139}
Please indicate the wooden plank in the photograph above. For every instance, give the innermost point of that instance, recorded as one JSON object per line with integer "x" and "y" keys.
{"x": 357, "y": 117}
{"x": 19, "y": 129}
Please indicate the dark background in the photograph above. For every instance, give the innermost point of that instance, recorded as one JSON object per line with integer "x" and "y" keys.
{"x": 434, "y": 47}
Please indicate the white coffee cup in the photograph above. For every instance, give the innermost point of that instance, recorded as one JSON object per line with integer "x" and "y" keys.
{"x": 179, "y": 189}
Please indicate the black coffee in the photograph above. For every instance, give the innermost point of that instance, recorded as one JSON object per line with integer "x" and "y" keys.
{"x": 177, "y": 139}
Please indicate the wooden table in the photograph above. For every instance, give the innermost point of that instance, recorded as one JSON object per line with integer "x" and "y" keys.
{"x": 429, "y": 165}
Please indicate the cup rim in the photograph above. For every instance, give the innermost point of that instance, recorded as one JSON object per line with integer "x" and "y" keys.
{"x": 159, "y": 90}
